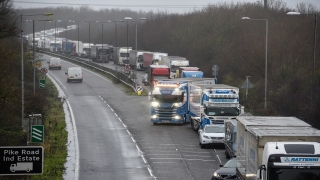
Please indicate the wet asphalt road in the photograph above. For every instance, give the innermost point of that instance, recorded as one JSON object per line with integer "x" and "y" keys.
{"x": 132, "y": 147}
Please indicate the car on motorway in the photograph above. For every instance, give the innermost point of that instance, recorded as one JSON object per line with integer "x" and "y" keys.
{"x": 55, "y": 63}
{"x": 74, "y": 74}
{"x": 211, "y": 134}
{"x": 227, "y": 171}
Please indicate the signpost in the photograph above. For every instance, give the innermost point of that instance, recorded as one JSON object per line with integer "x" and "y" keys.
{"x": 21, "y": 160}
{"x": 38, "y": 64}
{"x": 37, "y": 133}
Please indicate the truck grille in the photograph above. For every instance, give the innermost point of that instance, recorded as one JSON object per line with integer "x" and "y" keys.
{"x": 165, "y": 113}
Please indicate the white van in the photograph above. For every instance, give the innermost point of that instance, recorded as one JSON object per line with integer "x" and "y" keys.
{"x": 55, "y": 63}
{"x": 74, "y": 74}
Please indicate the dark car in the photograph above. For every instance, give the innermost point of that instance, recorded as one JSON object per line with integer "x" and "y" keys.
{"x": 228, "y": 171}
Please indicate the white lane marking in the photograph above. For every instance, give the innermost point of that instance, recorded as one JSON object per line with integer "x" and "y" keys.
{"x": 144, "y": 160}
{"x": 129, "y": 132}
{"x": 105, "y": 102}
{"x": 150, "y": 171}
{"x": 116, "y": 114}
{"x": 108, "y": 105}
{"x": 124, "y": 125}
{"x": 60, "y": 83}
{"x": 111, "y": 109}
{"x": 76, "y": 141}
{"x": 138, "y": 148}
{"x": 133, "y": 139}
{"x": 120, "y": 120}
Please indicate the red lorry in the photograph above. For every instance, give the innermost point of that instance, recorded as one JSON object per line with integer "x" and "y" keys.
{"x": 156, "y": 72}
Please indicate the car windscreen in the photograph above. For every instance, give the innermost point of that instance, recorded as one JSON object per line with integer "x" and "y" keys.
{"x": 214, "y": 129}
{"x": 294, "y": 173}
{"x": 222, "y": 111}
{"x": 232, "y": 163}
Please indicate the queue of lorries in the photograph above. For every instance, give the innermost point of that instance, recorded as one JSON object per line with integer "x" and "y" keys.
{"x": 260, "y": 147}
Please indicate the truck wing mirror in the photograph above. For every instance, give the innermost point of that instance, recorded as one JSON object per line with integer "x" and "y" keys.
{"x": 201, "y": 109}
{"x": 149, "y": 96}
{"x": 242, "y": 110}
{"x": 66, "y": 73}
{"x": 262, "y": 167}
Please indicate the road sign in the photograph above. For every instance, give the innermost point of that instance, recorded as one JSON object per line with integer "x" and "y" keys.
{"x": 247, "y": 84}
{"x": 44, "y": 70}
{"x": 38, "y": 64}
{"x": 37, "y": 133}
{"x": 42, "y": 83}
{"x": 21, "y": 160}
{"x": 139, "y": 88}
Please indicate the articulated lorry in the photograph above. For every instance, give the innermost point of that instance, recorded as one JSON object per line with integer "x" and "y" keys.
{"x": 77, "y": 48}
{"x": 189, "y": 72}
{"x": 170, "y": 100}
{"x": 277, "y": 148}
{"x": 174, "y": 62}
{"x": 100, "y": 54}
{"x": 136, "y": 59}
{"x": 121, "y": 55}
{"x": 215, "y": 103}
{"x": 67, "y": 47}
{"x": 55, "y": 46}
{"x": 152, "y": 58}
{"x": 230, "y": 133}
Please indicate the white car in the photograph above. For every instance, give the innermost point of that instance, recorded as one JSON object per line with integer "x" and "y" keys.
{"x": 211, "y": 134}
{"x": 74, "y": 74}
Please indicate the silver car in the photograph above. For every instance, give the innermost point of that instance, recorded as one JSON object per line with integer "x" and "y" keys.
{"x": 211, "y": 134}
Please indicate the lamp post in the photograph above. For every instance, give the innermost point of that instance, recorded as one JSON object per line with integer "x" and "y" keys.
{"x": 314, "y": 51}
{"x": 22, "y": 60}
{"x": 127, "y": 19}
{"x": 266, "y": 59}
{"x": 89, "y": 40}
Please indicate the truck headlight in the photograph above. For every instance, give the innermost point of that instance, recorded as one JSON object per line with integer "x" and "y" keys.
{"x": 156, "y": 88}
{"x": 176, "y": 89}
{"x": 175, "y": 104}
{"x": 154, "y": 104}
{"x": 177, "y": 117}
{"x": 154, "y": 116}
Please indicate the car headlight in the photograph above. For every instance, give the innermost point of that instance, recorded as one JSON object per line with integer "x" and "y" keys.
{"x": 154, "y": 104}
{"x": 207, "y": 137}
{"x": 177, "y": 117}
{"x": 215, "y": 174}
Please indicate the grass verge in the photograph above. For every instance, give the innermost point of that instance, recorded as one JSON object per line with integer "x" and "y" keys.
{"x": 56, "y": 136}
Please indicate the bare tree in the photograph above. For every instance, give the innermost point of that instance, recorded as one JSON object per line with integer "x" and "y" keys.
{"x": 8, "y": 19}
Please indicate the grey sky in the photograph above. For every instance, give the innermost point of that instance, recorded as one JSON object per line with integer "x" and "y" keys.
{"x": 175, "y": 6}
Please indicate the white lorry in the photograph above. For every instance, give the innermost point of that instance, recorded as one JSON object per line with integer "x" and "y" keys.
{"x": 136, "y": 59}
{"x": 121, "y": 55}
{"x": 22, "y": 166}
{"x": 218, "y": 102}
{"x": 174, "y": 62}
{"x": 78, "y": 48}
{"x": 55, "y": 46}
{"x": 277, "y": 148}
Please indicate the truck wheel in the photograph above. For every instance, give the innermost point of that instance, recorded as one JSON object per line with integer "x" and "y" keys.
{"x": 28, "y": 170}
{"x": 191, "y": 123}
{"x": 13, "y": 170}
{"x": 155, "y": 123}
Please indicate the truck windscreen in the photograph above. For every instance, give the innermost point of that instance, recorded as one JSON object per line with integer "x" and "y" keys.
{"x": 124, "y": 54}
{"x": 222, "y": 111}
{"x": 168, "y": 98}
{"x": 294, "y": 174}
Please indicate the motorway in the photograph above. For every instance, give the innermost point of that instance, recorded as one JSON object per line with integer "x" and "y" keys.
{"x": 118, "y": 141}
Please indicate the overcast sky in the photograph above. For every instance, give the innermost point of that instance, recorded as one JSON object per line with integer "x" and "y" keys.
{"x": 175, "y": 6}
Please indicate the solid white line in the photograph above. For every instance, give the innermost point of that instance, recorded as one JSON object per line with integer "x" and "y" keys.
{"x": 150, "y": 172}
{"x": 76, "y": 142}
{"x": 219, "y": 159}
{"x": 59, "y": 82}
{"x": 133, "y": 140}
{"x": 144, "y": 160}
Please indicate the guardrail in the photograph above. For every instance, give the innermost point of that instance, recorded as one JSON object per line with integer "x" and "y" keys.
{"x": 124, "y": 78}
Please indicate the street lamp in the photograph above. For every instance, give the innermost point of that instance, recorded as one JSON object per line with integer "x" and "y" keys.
{"x": 266, "y": 63}
{"x": 22, "y": 60}
{"x": 127, "y": 19}
{"x": 314, "y": 51}
{"x": 89, "y": 39}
